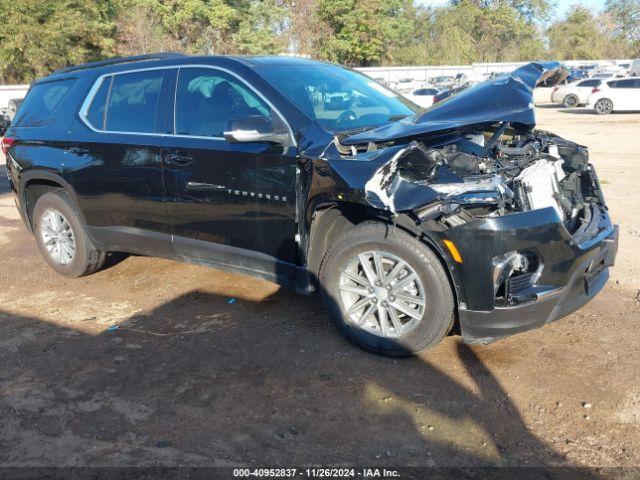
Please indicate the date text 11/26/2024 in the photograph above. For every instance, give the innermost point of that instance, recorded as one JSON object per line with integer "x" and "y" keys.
{"x": 315, "y": 473}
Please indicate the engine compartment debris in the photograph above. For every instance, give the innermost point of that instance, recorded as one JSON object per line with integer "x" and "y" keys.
{"x": 488, "y": 172}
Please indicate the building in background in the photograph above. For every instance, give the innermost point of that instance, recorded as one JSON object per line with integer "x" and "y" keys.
{"x": 11, "y": 92}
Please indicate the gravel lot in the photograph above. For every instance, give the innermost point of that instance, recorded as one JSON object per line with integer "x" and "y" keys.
{"x": 189, "y": 378}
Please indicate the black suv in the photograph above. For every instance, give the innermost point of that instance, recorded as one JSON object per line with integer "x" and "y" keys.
{"x": 406, "y": 220}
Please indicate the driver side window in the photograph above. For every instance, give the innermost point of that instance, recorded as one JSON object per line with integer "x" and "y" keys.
{"x": 208, "y": 101}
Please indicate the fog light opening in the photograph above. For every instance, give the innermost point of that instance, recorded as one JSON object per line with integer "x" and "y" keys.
{"x": 513, "y": 273}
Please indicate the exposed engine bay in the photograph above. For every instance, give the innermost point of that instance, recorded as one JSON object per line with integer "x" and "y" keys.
{"x": 492, "y": 172}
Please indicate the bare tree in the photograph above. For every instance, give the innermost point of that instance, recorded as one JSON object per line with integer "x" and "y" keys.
{"x": 305, "y": 29}
{"x": 139, "y": 31}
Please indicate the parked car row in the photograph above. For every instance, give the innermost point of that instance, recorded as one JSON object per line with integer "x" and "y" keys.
{"x": 603, "y": 72}
{"x": 421, "y": 92}
{"x": 603, "y": 96}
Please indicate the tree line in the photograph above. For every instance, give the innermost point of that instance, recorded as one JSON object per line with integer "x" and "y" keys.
{"x": 39, "y": 37}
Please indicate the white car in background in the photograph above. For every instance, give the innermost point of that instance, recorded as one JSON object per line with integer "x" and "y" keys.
{"x": 608, "y": 71}
{"x": 615, "y": 96}
{"x": 606, "y": 75}
{"x": 423, "y": 97}
{"x": 575, "y": 93}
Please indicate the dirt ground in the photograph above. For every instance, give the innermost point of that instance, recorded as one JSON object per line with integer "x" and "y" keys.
{"x": 192, "y": 378}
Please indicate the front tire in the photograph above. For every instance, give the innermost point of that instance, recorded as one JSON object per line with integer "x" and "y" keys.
{"x": 61, "y": 237}
{"x": 603, "y": 106}
{"x": 386, "y": 291}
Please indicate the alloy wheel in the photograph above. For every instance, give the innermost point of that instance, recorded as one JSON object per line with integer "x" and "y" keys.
{"x": 382, "y": 294}
{"x": 604, "y": 106}
{"x": 57, "y": 236}
{"x": 571, "y": 101}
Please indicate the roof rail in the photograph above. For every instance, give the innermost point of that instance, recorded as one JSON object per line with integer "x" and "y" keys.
{"x": 119, "y": 60}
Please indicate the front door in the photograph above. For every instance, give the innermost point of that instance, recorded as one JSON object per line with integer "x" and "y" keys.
{"x": 229, "y": 203}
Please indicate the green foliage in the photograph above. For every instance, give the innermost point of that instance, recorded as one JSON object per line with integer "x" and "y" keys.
{"x": 191, "y": 26}
{"x": 38, "y": 37}
{"x": 625, "y": 19}
{"x": 358, "y": 36}
{"x": 471, "y": 31}
{"x": 259, "y": 30}
{"x": 578, "y": 36}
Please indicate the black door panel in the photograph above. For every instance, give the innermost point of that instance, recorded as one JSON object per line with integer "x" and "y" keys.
{"x": 119, "y": 185}
{"x": 115, "y": 161}
{"x": 244, "y": 199}
{"x": 239, "y": 197}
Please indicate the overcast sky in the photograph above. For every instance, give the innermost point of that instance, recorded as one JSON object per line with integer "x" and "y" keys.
{"x": 562, "y": 5}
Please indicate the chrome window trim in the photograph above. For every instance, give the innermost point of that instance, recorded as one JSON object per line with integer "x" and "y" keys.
{"x": 86, "y": 104}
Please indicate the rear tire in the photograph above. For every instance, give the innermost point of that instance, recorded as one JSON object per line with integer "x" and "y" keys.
{"x": 570, "y": 101}
{"x": 378, "y": 325}
{"x": 61, "y": 237}
{"x": 603, "y": 106}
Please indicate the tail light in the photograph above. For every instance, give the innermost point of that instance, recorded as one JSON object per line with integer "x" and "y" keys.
{"x": 6, "y": 144}
{"x": 595, "y": 90}
{"x": 555, "y": 89}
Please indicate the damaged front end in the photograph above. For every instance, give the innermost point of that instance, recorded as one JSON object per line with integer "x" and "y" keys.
{"x": 520, "y": 212}
{"x": 487, "y": 174}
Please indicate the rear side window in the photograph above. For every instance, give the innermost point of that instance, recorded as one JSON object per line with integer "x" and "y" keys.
{"x": 589, "y": 83}
{"x": 41, "y": 103}
{"x": 133, "y": 102}
{"x": 628, "y": 83}
{"x": 126, "y": 102}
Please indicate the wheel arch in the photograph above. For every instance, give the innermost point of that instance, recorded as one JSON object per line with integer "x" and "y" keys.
{"x": 329, "y": 220}
{"x": 36, "y": 183}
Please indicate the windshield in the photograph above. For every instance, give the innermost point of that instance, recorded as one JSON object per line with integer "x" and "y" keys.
{"x": 339, "y": 99}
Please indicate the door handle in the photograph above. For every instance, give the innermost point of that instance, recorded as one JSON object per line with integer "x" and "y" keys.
{"x": 178, "y": 160}
{"x": 204, "y": 186}
{"x": 78, "y": 150}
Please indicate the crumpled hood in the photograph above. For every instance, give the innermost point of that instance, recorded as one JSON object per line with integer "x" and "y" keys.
{"x": 503, "y": 99}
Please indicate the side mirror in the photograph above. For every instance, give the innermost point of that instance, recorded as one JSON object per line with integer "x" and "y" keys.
{"x": 254, "y": 129}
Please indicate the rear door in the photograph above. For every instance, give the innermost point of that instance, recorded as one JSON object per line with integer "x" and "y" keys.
{"x": 625, "y": 96}
{"x": 115, "y": 164}
{"x": 230, "y": 204}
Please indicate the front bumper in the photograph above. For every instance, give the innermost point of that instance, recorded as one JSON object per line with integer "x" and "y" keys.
{"x": 570, "y": 275}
